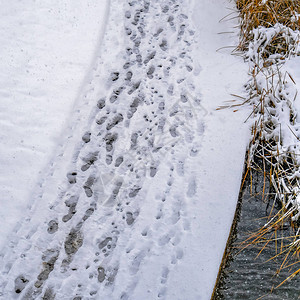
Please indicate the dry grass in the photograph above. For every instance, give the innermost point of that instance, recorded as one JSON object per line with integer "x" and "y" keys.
{"x": 269, "y": 34}
{"x": 255, "y": 13}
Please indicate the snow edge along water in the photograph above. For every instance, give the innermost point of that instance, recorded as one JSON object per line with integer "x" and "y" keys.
{"x": 186, "y": 265}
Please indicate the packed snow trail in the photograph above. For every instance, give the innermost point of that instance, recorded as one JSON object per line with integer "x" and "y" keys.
{"x": 114, "y": 230}
{"x": 138, "y": 201}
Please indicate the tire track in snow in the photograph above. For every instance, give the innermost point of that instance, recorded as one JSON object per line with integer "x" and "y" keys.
{"x": 141, "y": 130}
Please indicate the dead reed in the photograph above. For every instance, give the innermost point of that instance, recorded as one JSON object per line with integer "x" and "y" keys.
{"x": 269, "y": 35}
{"x": 267, "y": 13}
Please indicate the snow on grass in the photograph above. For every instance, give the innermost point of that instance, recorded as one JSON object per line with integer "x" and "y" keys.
{"x": 272, "y": 51}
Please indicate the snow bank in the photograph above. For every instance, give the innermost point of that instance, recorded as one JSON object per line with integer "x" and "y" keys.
{"x": 220, "y": 162}
{"x": 151, "y": 188}
{"x": 46, "y": 51}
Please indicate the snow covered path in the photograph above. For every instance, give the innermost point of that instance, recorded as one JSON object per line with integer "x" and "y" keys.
{"x": 120, "y": 211}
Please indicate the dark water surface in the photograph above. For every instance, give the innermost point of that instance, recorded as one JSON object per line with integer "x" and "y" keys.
{"x": 245, "y": 275}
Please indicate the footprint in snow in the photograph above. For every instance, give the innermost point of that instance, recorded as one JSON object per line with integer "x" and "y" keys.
{"x": 192, "y": 188}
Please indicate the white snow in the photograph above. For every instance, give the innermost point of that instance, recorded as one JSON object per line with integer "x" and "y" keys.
{"x": 219, "y": 165}
{"x": 292, "y": 67}
{"x": 46, "y": 51}
{"x": 156, "y": 226}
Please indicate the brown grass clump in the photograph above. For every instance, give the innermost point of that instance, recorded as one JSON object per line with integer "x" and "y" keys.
{"x": 269, "y": 35}
{"x": 267, "y": 13}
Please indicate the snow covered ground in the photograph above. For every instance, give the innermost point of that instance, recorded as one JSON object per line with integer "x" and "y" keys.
{"x": 46, "y": 51}
{"x": 119, "y": 177}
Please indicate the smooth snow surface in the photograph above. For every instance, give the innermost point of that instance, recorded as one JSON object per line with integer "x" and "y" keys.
{"x": 131, "y": 194}
{"x": 46, "y": 50}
